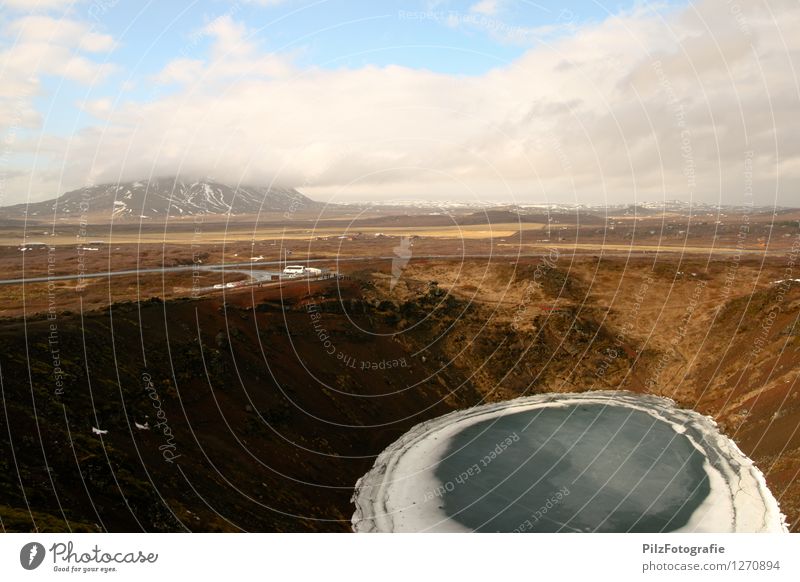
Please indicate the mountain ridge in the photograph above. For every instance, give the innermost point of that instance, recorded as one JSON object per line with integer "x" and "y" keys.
{"x": 164, "y": 197}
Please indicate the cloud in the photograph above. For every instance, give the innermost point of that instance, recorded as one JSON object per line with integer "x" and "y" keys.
{"x": 35, "y": 46}
{"x": 181, "y": 71}
{"x": 61, "y": 31}
{"x": 37, "y": 5}
{"x": 643, "y": 105}
{"x": 31, "y": 48}
{"x": 487, "y": 7}
{"x": 100, "y": 108}
{"x": 233, "y": 55}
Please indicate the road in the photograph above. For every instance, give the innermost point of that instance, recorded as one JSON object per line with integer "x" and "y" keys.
{"x": 619, "y": 250}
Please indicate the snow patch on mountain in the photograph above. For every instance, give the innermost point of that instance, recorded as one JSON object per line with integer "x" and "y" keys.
{"x": 163, "y": 197}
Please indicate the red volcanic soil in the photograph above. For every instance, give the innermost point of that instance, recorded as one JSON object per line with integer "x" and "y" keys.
{"x": 266, "y": 429}
{"x": 265, "y": 405}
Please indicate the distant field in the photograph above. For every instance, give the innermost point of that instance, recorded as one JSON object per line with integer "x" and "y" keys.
{"x": 639, "y": 247}
{"x": 477, "y": 231}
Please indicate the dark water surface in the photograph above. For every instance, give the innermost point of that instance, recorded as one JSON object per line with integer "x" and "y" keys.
{"x": 579, "y": 467}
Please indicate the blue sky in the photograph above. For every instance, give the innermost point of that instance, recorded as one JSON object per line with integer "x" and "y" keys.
{"x": 343, "y": 32}
{"x": 575, "y": 101}
{"x": 445, "y": 36}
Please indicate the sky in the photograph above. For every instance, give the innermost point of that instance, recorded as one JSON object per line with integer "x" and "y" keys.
{"x": 587, "y": 102}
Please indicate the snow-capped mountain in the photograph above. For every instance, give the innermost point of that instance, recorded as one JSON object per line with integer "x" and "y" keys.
{"x": 162, "y": 197}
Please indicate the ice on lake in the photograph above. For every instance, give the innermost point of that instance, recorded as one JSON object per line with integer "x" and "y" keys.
{"x": 592, "y": 462}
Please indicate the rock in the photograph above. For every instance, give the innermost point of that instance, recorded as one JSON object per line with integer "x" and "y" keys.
{"x": 221, "y": 340}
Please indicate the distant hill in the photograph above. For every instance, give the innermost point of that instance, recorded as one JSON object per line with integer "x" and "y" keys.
{"x": 162, "y": 198}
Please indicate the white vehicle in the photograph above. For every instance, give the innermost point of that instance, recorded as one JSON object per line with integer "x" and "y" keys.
{"x": 301, "y": 271}
{"x": 294, "y": 270}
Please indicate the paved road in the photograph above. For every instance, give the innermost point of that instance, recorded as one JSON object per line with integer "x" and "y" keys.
{"x": 616, "y": 250}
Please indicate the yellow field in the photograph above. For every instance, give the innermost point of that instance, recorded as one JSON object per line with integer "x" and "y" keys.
{"x": 479, "y": 231}
{"x": 606, "y": 247}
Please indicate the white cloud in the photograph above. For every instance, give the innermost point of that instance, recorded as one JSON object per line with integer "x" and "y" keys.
{"x": 485, "y": 17}
{"x": 61, "y": 31}
{"x": 641, "y": 105}
{"x": 487, "y": 7}
{"x": 181, "y": 71}
{"x": 42, "y": 45}
{"x": 35, "y": 5}
{"x": 33, "y": 47}
{"x": 100, "y": 108}
{"x": 233, "y": 55}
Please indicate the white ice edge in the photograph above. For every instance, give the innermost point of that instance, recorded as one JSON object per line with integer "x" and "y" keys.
{"x": 387, "y": 498}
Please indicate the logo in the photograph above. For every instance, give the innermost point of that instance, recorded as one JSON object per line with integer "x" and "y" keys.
{"x": 31, "y": 555}
{"x": 402, "y": 254}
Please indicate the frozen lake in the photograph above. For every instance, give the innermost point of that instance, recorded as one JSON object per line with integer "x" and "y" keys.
{"x": 617, "y": 469}
{"x": 594, "y": 462}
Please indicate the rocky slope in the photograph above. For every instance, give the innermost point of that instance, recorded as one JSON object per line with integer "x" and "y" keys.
{"x": 262, "y": 410}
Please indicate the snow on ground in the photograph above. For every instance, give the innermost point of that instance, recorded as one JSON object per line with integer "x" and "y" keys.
{"x": 394, "y": 496}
